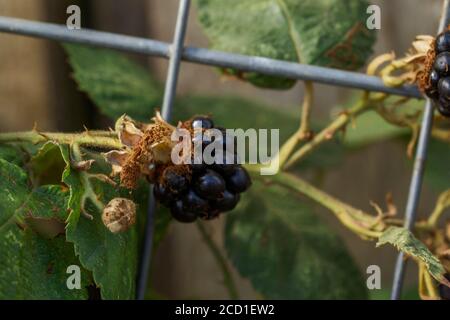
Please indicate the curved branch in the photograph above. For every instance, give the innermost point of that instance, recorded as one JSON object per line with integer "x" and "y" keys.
{"x": 99, "y": 139}
{"x": 304, "y": 131}
{"x": 326, "y": 134}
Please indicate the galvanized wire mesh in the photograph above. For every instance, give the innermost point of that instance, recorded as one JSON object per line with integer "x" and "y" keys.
{"x": 176, "y": 52}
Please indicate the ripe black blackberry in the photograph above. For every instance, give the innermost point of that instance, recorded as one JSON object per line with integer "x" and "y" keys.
{"x": 205, "y": 189}
{"x": 439, "y": 77}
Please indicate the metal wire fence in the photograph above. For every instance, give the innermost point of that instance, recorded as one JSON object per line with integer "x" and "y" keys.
{"x": 176, "y": 52}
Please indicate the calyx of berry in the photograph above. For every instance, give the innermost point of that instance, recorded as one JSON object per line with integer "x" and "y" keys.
{"x": 414, "y": 67}
{"x": 144, "y": 146}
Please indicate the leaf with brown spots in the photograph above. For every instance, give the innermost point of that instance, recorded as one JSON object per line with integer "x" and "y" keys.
{"x": 328, "y": 33}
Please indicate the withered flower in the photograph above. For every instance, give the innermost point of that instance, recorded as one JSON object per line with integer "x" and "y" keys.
{"x": 414, "y": 67}
{"x": 145, "y": 147}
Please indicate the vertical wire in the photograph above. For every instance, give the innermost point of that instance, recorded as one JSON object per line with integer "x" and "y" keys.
{"x": 169, "y": 96}
{"x": 417, "y": 175}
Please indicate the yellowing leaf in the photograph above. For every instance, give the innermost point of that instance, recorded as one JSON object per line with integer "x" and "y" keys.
{"x": 406, "y": 242}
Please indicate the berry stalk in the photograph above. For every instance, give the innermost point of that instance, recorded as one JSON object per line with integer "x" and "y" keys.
{"x": 99, "y": 139}
{"x": 304, "y": 132}
{"x": 363, "y": 224}
{"x": 326, "y": 134}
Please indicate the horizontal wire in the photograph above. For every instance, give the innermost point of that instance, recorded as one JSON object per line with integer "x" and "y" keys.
{"x": 156, "y": 48}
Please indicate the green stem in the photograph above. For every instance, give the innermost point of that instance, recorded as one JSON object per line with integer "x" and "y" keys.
{"x": 304, "y": 131}
{"x": 100, "y": 139}
{"x": 221, "y": 262}
{"x": 326, "y": 134}
{"x": 363, "y": 224}
{"x": 356, "y": 220}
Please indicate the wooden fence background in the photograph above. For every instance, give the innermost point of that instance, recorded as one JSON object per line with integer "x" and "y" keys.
{"x": 35, "y": 86}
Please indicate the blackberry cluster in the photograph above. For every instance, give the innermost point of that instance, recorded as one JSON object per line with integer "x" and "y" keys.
{"x": 439, "y": 77}
{"x": 207, "y": 190}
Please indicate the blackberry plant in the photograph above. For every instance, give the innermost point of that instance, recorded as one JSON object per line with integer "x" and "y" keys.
{"x": 92, "y": 186}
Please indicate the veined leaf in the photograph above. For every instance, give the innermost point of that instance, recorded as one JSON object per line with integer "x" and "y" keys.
{"x": 329, "y": 33}
{"x": 32, "y": 267}
{"x": 113, "y": 82}
{"x": 14, "y": 190}
{"x": 275, "y": 240}
{"x": 46, "y": 202}
{"x": 112, "y": 258}
{"x": 46, "y": 165}
{"x": 12, "y": 154}
{"x": 405, "y": 241}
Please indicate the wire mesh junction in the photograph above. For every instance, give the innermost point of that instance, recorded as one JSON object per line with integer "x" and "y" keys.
{"x": 175, "y": 52}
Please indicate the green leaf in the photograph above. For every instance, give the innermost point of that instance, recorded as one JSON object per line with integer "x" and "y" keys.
{"x": 12, "y": 154}
{"x": 46, "y": 165}
{"x": 406, "y": 242}
{"x": 32, "y": 267}
{"x": 140, "y": 196}
{"x": 112, "y": 258}
{"x": 235, "y": 112}
{"x": 289, "y": 30}
{"x": 46, "y": 202}
{"x": 35, "y": 268}
{"x": 113, "y": 82}
{"x": 14, "y": 190}
{"x": 275, "y": 240}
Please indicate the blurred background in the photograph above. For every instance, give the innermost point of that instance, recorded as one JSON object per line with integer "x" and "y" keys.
{"x": 36, "y": 86}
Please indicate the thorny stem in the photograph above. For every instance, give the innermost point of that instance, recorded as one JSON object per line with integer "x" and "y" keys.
{"x": 221, "y": 262}
{"x": 304, "y": 131}
{"x": 326, "y": 134}
{"x": 363, "y": 224}
{"x": 356, "y": 220}
{"x": 100, "y": 139}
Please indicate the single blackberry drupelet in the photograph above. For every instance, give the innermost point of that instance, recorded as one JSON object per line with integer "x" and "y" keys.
{"x": 439, "y": 77}
{"x": 211, "y": 188}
